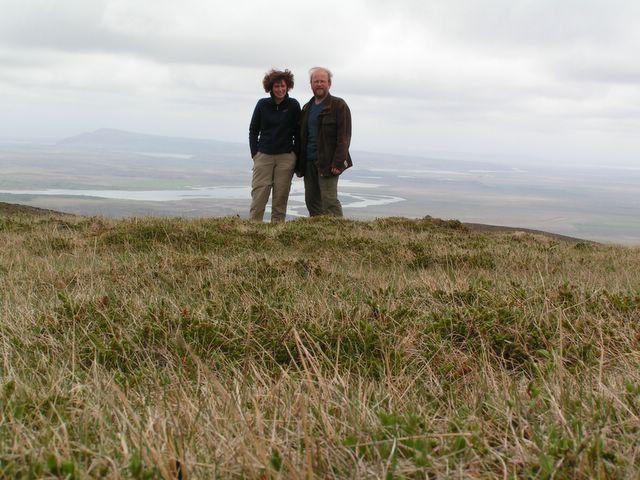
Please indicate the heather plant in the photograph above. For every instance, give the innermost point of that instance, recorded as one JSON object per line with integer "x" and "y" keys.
{"x": 321, "y": 348}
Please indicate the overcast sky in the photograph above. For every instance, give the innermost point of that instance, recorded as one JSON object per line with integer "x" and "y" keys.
{"x": 552, "y": 80}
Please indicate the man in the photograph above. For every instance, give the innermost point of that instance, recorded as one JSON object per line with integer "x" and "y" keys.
{"x": 325, "y": 134}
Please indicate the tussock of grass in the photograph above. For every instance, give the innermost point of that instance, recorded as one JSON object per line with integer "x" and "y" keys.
{"x": 321, "y": 348}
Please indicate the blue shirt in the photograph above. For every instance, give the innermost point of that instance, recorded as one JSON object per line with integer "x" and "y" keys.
{"x": 312, "y": 131}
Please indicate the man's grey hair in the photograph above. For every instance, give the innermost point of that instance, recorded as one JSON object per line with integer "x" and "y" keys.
{"x": 320, "y": 69}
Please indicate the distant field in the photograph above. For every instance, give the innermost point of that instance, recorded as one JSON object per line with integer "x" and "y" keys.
{"x": 319, "y": 348}
{"x": 596, "y": 204}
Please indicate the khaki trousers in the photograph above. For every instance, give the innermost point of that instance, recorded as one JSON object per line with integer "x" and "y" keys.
{"x": 321, "y": 193}
{"x": 271, "y": 172}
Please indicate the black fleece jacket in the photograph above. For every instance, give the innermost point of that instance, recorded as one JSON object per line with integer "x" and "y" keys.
{"x": 274, "y": 128}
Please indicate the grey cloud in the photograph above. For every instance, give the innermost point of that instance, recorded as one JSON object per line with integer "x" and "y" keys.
{"x": 472, "y": 95}
{"x": 161, "y": 48}
{"x": 607, "y": 72}
{"x": 502, "y": 24}
{"x": 75, "y": 26}
{"x": 406, "y": 67}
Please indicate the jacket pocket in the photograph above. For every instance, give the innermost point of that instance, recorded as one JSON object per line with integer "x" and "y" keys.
{"x": 329, "y": 122}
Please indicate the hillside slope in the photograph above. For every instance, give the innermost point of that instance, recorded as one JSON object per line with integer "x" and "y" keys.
{"x": 321, "y": 348}
{"x": 120, "y": 140}
{"x": 10, "y": 209}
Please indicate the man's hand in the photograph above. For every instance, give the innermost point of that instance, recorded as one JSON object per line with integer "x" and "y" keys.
{"x": 335, "y": 171}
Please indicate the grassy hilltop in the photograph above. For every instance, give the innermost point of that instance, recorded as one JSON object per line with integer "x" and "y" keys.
{"x": 316, "y": 349}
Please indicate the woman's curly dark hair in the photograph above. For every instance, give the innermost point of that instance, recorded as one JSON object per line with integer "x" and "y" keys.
{"x": 272, "y": 76}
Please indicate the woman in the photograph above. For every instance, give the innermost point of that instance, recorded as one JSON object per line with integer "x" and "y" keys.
{"x": 272, "y": 139}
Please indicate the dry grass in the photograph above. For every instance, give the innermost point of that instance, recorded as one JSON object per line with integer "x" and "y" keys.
{"x": 316, "y": 349}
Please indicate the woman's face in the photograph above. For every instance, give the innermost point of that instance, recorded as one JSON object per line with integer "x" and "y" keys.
{"x": 279, "y": 89}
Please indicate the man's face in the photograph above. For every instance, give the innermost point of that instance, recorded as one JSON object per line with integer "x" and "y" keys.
{"x": 320, "y": 84}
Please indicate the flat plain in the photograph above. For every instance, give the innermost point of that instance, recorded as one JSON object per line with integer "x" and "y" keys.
{"x": 594, "y": 203}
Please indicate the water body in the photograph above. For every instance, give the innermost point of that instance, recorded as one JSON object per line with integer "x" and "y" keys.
{"x": 145, "y": 195}
{"x": 297, "y": 208}
{"x": 349, "y": 199}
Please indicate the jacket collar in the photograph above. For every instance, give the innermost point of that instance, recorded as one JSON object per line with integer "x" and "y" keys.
{"x": 326, "y": 103}
{"x": 272, "y": 100}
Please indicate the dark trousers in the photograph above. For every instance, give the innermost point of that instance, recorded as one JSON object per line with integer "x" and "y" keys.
{"x": 321, "y": 193}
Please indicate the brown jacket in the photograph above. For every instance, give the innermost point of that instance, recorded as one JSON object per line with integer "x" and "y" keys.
{"x": 334, "y": 136}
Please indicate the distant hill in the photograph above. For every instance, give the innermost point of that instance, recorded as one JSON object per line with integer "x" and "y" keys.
{"x": 114, "y": 140}
{"x": 407, "y": 163}
{"x": 122, "y": 141}
{"x": 14, "y": 208}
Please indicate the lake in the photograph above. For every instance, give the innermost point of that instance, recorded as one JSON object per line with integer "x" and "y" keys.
{"x": 350, "y": 199}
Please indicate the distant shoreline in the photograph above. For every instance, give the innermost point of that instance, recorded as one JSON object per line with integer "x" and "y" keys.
{"x": 481, "y": 227}
{"x": 15, "y": 208}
